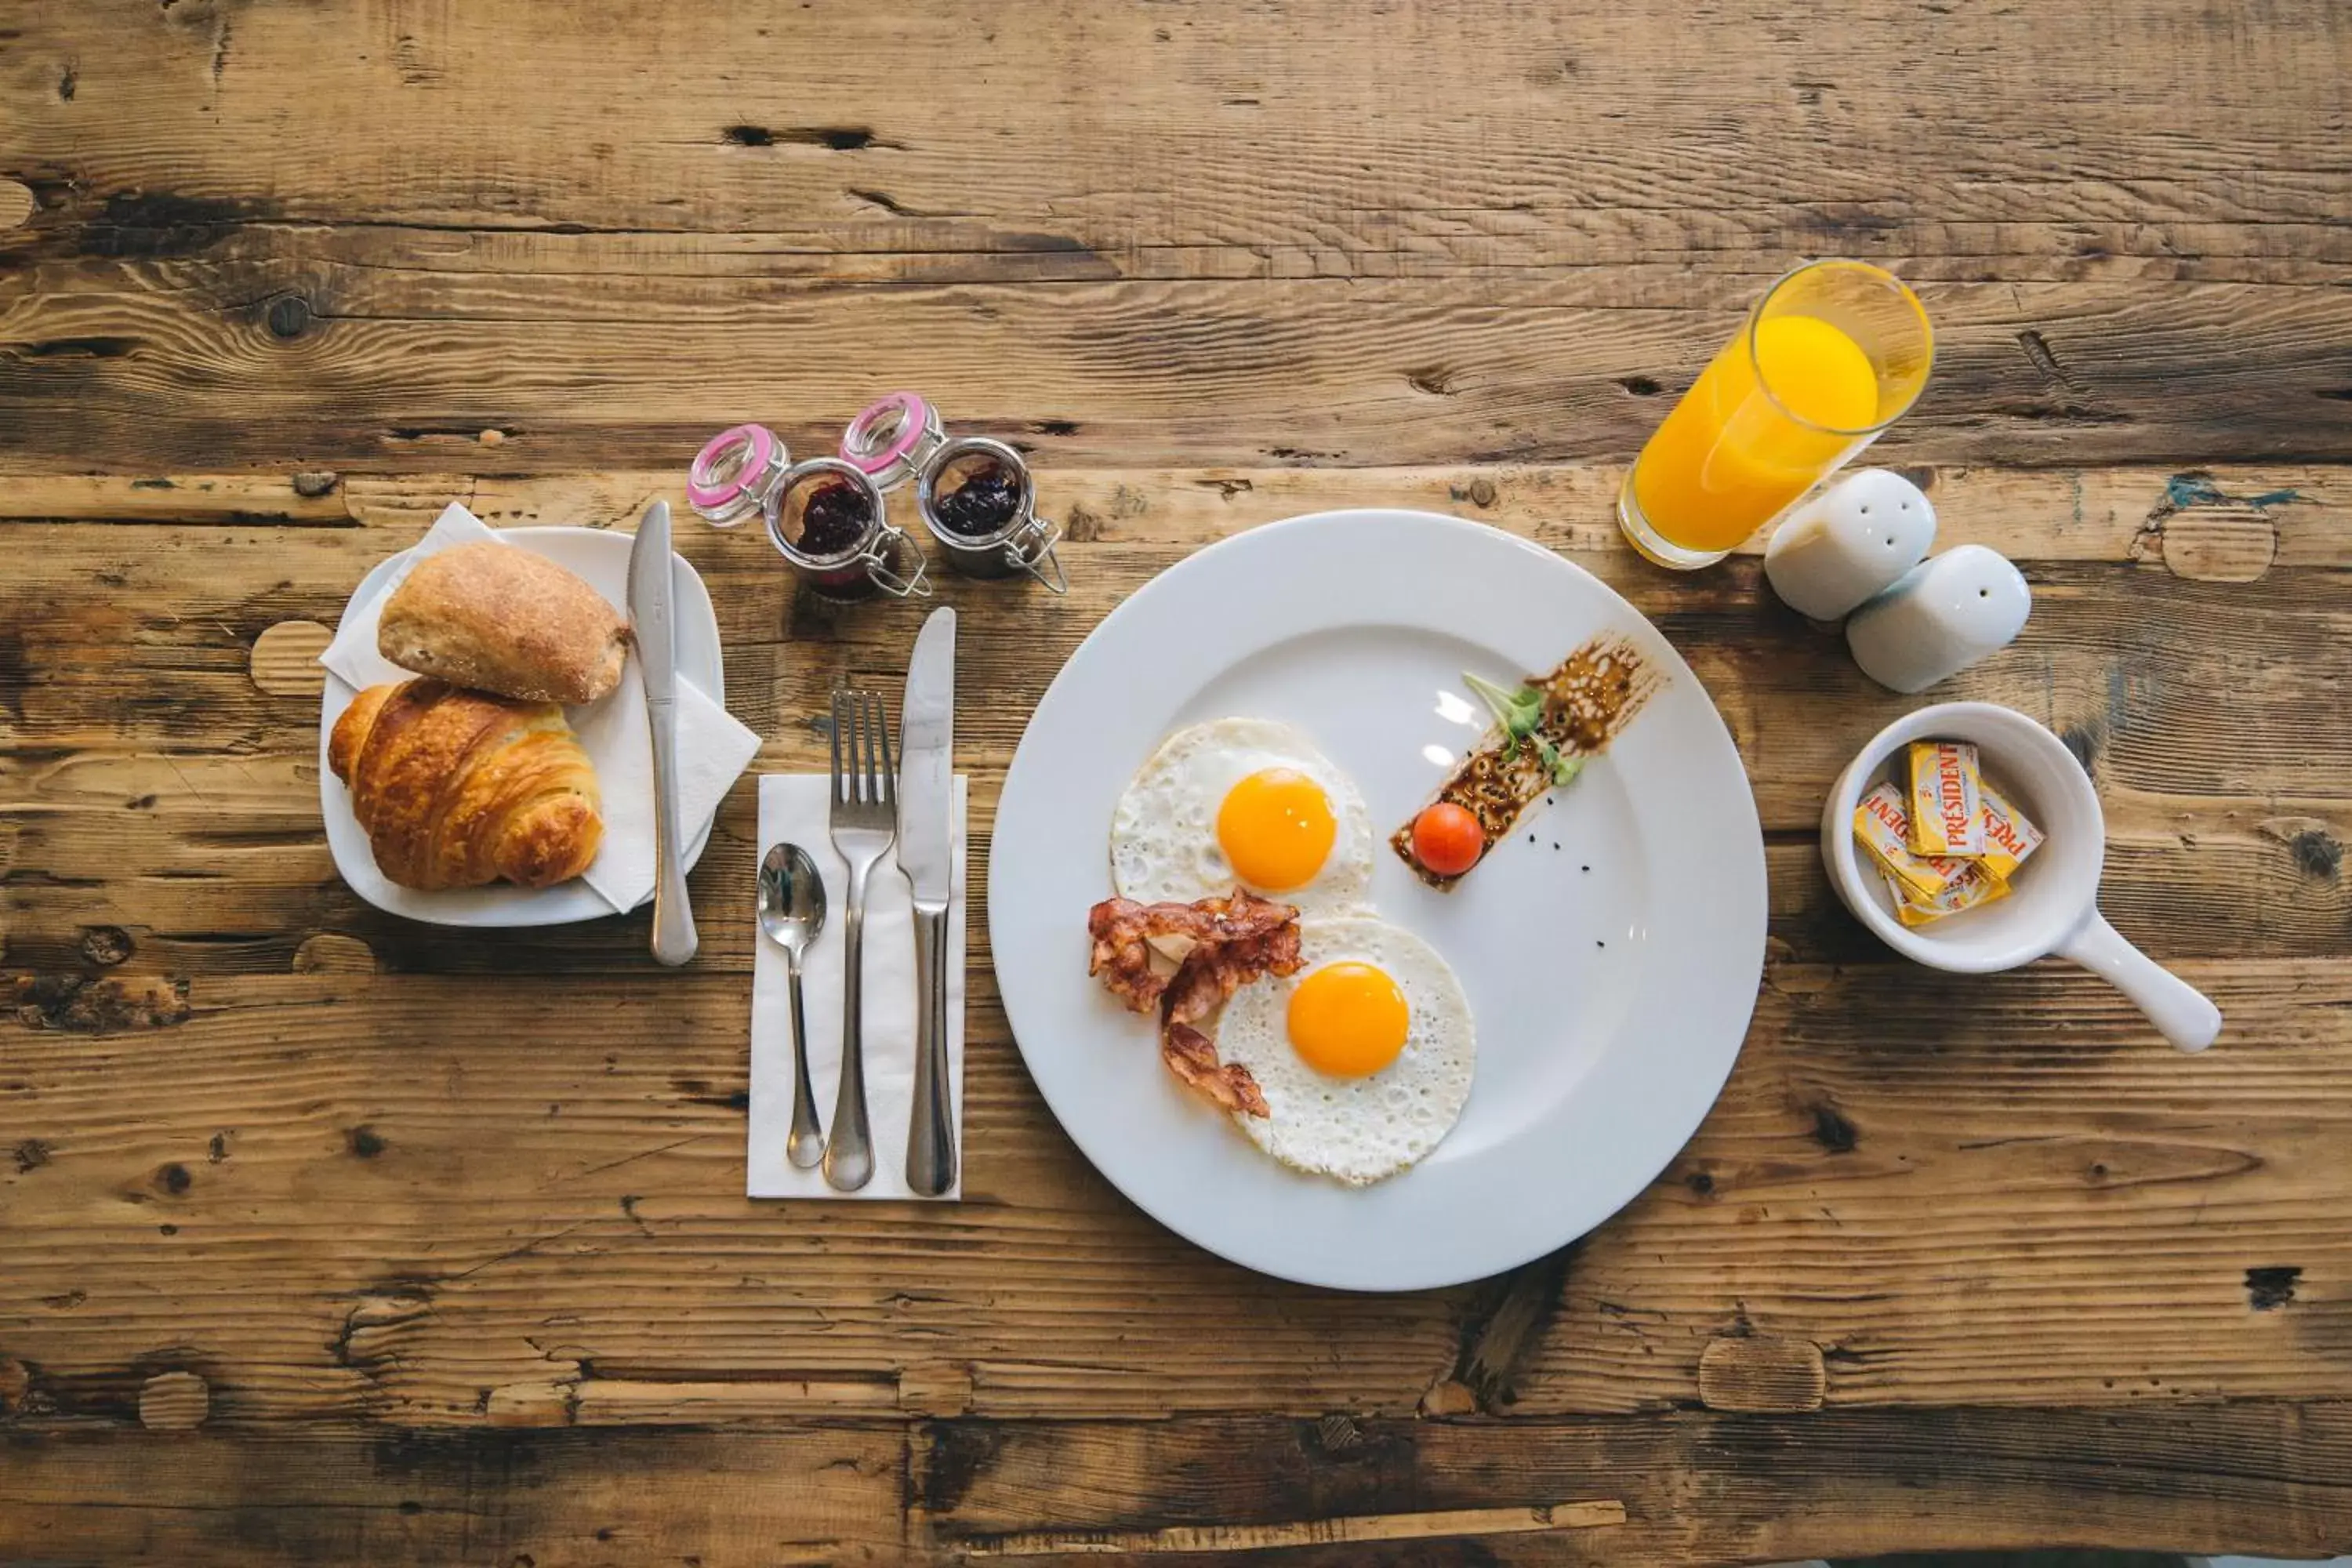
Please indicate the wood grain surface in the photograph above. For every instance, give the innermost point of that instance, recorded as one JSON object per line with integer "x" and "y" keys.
{"x": 328, "y": 1238}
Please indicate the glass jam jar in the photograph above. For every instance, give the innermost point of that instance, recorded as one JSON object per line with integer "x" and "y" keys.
{"x": 892, "y": 439}
{"x": 977, "y": 499}
{"x": 826, "y": 519}
{"x": 735, "y": 474}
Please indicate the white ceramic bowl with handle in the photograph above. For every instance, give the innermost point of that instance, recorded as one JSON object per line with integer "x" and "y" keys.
{"x": 2052, "y": 906}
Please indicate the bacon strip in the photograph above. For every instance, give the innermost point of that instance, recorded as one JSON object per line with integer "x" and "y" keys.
{"x": 1250, "y": 926}
{"x": 1192, "y": 1057}
{"x": 1233, "y": 940}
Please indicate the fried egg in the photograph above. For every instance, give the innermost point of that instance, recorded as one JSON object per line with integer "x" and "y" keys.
{"x": 1364, "y": 1055}
{"x": 1244, "y": 802}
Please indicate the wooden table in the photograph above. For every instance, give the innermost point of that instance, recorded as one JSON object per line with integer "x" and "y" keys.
{"x": 328, "y": 1238}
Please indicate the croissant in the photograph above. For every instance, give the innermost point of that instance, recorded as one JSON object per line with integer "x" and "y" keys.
{"x": 458, "y": 788}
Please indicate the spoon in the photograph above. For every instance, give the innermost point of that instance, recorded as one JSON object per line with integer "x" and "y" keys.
{"x": 791, "y": 911}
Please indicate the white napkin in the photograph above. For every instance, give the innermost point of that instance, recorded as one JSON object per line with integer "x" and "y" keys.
{"x": 793, "y": 809}
{"x": 713, "y": 749}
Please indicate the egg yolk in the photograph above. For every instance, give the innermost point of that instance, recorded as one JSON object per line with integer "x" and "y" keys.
{"x": 1276, "y": 828}
{"x": 1347, "y": 1019}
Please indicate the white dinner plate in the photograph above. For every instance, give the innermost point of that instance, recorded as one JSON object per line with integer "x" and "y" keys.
{"x": 602, "y": 559}
{"x": 1610, "y": 1003}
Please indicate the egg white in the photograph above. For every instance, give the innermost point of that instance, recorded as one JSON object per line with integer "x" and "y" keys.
{"x": 1163, "y": 835}
{"x": 1356, "y": 1130}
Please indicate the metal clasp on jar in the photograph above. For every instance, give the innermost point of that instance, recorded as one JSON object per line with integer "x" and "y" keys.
{"x": 892, "y": 439}
{"x": 977, "y": 499}
{"x": 736, "y": 474}
{"x": 826, "y": 519}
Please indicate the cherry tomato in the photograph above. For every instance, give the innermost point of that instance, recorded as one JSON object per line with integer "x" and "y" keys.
{"x": 1447, "y": 838}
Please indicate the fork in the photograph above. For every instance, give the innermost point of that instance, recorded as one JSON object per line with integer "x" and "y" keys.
{"x": 865, "y": 822}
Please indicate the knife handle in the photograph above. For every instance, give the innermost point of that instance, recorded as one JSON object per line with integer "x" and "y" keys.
{"x": 674, "y": 938}
{"x": 930, "y": 1140}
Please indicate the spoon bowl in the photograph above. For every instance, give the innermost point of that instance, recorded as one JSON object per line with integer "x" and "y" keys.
{"x": 792, "y": 913}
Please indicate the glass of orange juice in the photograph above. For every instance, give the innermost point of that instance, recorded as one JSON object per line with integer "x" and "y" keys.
{"x": 1834, "y": 353}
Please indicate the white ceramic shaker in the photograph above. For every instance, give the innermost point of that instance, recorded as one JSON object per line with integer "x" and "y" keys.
{"x": 1849, "y": 542}
{"x": 1939, "y": 617}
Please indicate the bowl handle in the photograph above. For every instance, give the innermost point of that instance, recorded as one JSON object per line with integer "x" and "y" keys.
{"x": 2181, "y": 1013}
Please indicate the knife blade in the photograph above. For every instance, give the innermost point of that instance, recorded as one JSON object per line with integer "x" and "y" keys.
{"x": 927, "y": 854}
{"x": 655, "y": 622}
{"x": 926, "y": 768}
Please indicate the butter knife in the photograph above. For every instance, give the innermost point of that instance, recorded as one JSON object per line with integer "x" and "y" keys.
{"x": 927, "y": 854}
{"x": 651, "y": 612}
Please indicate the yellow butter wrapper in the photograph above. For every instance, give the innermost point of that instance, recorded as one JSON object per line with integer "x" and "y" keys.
{"x": 1946, "y": 795}
{"x": 1882, "y": 830}
{"x": 1974, "y": 886}
{"x": 2009, "y": 836}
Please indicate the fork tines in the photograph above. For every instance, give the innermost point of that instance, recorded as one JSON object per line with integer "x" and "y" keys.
{"x": 863, "y": 778}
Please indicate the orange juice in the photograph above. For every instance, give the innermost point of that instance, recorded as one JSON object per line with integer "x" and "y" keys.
{"x": 1730, "y": 456}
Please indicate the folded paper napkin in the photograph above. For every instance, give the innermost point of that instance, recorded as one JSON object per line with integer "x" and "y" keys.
{"x": 793, "y": 810}
{"x": 713, "y": 749}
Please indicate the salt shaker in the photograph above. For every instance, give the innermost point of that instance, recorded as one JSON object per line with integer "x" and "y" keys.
{"x": 1849, "y": 542}
{"x": 1939, "y": 617}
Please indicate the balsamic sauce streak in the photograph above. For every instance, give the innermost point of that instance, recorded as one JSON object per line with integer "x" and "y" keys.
{"x": 1588, "y": 700}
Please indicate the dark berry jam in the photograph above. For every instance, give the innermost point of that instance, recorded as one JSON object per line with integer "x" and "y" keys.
{"x": 835, "y": 520}
{"x": 981, "y": 506}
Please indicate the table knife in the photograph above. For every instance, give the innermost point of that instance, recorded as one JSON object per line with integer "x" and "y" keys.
{"x": 651, "y": 612}
{"x": 927, "y": 854}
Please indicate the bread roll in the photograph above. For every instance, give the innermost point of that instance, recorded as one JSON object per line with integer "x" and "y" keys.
{"x": 457, "y": 789}
{"x": 501, "y": 619}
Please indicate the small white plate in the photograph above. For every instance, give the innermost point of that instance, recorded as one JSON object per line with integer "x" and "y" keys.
{"x": 1610, "y": 1003}
{"x": 601, "y": 559}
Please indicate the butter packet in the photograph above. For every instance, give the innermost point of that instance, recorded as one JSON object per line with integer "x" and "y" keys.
{"x": 1884, "y": 831}
{"x": 1947, "y": 791}
{"x": 1974, "y": 886}
{"x": 2009, "y": 836}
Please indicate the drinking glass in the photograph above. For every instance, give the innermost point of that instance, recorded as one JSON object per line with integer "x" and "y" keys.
{"x": 1834, "y": 353}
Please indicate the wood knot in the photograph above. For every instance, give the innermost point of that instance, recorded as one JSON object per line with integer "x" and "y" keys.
{"x": 288, "y": 316}
{"x": 2318, "y": 853}
{"x": 80, "y": 1005}
{"x": 17, "y": 203}
{"x": 2269, "y": 1288}
{"x": 2220, "y": 544}
{"x": 285, "y": 659}
{"x": 1761, "y": 1374}
{"x": 332, "y": 953}
{"x": 311, "y": 484}
{"x": 105, "y": 946}
{"x": 174, "y": 1402}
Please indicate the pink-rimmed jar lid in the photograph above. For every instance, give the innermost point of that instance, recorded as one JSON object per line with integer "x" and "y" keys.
{"x": 892, "y": 438}
{"x": 735, "y": 474}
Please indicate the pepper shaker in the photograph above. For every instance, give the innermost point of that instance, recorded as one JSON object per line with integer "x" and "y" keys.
{"x": 1939, "y": 617}
{"x": 1848, "y": 541}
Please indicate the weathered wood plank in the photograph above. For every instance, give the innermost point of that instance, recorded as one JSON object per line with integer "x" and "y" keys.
{"x": 1992, "y": 1192}
{"x": 1316, "y": 135}
{"x": 165, "y": 366}
{"x": 813, "y": 1498}
{"x": 1695, "y": 1488}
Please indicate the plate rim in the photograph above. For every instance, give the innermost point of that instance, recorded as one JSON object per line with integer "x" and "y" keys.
{"x": 1389, "y": 1278}
{"x": 525, "y": 901}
